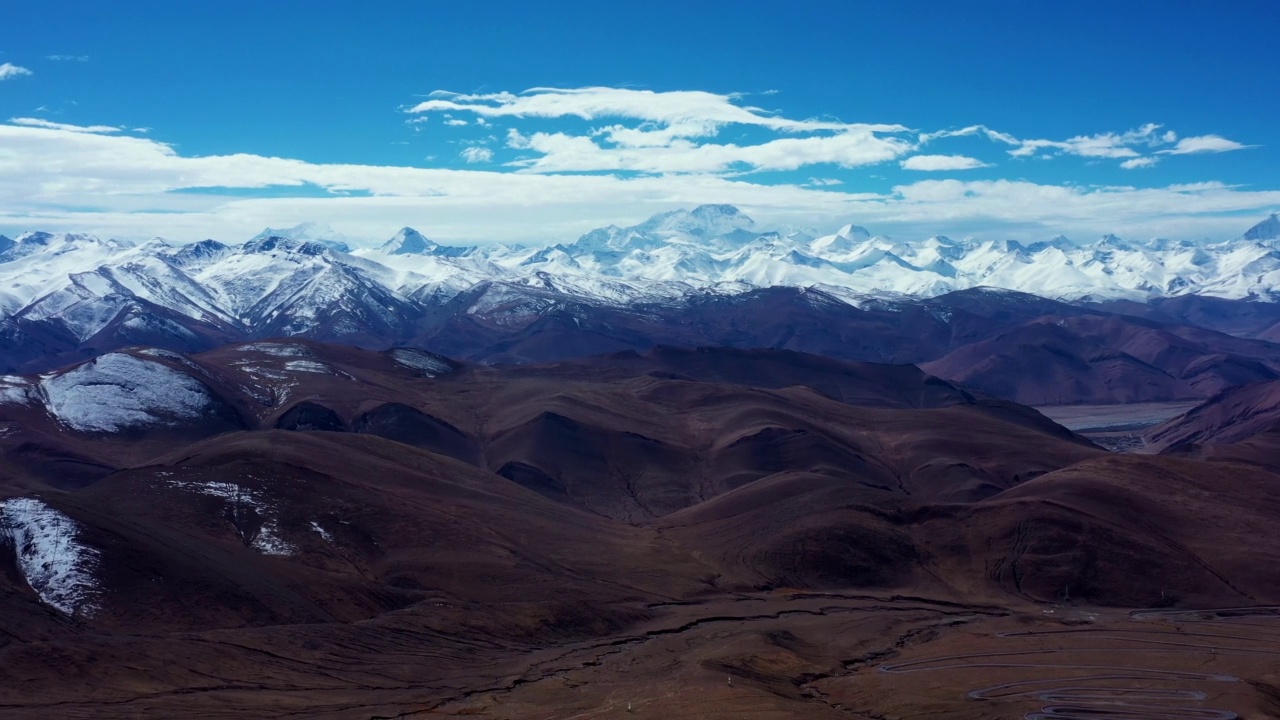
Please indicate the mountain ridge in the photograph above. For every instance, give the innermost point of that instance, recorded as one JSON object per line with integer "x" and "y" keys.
{"x": 704, "y": 276}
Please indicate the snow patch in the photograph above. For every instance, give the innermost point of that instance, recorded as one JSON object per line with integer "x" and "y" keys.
{"x": 158, "y": 353}
{"x": 309, "y": 366}
{"x": 159, "y": 326}
{"x": 278, "y": 349}
{"x": 16, "y": 391}
{"x": 426, "y": 363}
{"x": 116, "y": 391}
{"x": 243, "y": 505}
{"x": 223, "y": 490}
{"x": 271, "y": 386}
{"x": 51, "y": 556}
{"x": 269, "y": 542}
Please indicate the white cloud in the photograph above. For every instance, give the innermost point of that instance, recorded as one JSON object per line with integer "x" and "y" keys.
{"x": 9, "y": 70}
{"x": 477, "y": 154}
{"x": 1140, "y": 162}
{"x": 517, "y": 140}
{"x": 942, "y": 162}
{"x": 667, "y": 132}
{"x": 560, "y": 152}
{"x": 456, "y": 122}
{"x": 68, "y": 58}
{"x": 53, "y": 175}
{"x": 100, "y": 179}
{"x": 674, "y": 132}
{"x": 1103, "y": 145}
{"x": 688, "y": 108}
{"x": 1204, "y": 144}
{"x": 49, "y": 125}
{"x": 484, "y": 206}
{"x": 993, "y": 135}
{"x": 1122, "y": 145}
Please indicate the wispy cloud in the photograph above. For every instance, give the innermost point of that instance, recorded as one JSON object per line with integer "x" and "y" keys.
{"x": 668, "y": 132}
{"x": 67, "y": 58}
{"x": 935, "y": 163}
{"x": 677, "y": 132}
{"x": 1126, "y": 146}
{"x": 561, "y": 152}
{"x": 993, "y": 135}
{"x": 477, "y": 154}
{"x": 694, "y": 111}
{"x": 1103, "y": 145}
{"x": 1140, "y": 162}
{"x": 50, "y": 125}
{"x": 1204, "y": 144}
{"x": 9, "y": 70}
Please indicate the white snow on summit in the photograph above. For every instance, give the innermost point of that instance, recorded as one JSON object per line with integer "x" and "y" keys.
{"x": 408, "y": 242}
{"x": 298, "y": 280}
{"x": 309, "y": 232}
{"x": 52, "y": 558}
{"x": 1268, "y": 229}
{"x": 116, "y": 391}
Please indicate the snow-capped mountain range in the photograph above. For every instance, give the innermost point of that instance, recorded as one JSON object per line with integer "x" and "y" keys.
{"x": 64, "y": 289}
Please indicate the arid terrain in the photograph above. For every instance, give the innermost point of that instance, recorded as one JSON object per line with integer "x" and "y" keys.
{"x": 293, "y": 529}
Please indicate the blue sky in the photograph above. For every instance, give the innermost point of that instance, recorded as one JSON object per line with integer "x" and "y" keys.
{"x": 1010, "y": 119}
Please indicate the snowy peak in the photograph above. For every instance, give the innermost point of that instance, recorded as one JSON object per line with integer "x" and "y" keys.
{"x": 34, "y": 238}
{"x": 716, "y": 217}
{"x": 79, "y": 287}
{"x": 1268, "y": 229}
{"x": 854, "y": 233}
{"x": 31, "y": 243}
{"x": 408, "y": 242}
{"x": 705, "y": 221}
{"x": 199, "y": 253}
{"x": 5, "y": 244}
{"x": 1114, "y": 242}
{"x": 314, "y": 232}
{"x": 706, "y": 228}
{"x": 283, "y": 245}
{"x": 1059, "y": 242}
{"x": 847, "y": 239}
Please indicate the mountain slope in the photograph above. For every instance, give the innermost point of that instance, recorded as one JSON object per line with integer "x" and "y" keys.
{"x": 1107, "y": 359}
{"x": 709, "y": 276}
{"x": 295, "y": 527}
{"x": 1240, "y": 423}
